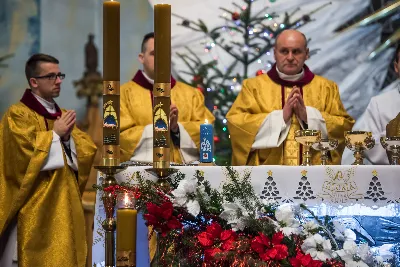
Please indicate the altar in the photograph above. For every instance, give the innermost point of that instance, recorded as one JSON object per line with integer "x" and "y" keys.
{"x": 366, "y": 197}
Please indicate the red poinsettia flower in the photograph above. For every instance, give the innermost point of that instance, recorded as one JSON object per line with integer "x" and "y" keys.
{"x": 161, "y": 218}
{"x": 270, "y": 249}
{"x": 210, "y": 254}
{"x": 302, "y": 260}
{"x": 214, "y": 233}
{"x": 223, "y": 240}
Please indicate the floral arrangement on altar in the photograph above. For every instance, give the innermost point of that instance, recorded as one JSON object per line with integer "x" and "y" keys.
{"x": 197, "y": 225}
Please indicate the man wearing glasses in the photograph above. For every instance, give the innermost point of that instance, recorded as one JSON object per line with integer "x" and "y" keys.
{"x": 44, "y": 164}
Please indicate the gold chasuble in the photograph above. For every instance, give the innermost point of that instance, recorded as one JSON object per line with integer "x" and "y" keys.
{"x": 265, "y": 93}
{"x": 136, "y": 113}
{"x": 46, "y": 204}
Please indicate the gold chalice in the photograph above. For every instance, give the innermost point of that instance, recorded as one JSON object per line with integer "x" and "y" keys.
{"x": 307, "y": 138}
{"x": 359, "y": 141}
{"x": 392, "y": 145}
{"x": 325, "y": 145}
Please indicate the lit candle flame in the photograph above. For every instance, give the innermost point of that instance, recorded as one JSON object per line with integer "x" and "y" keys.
{"x": 206, "y": 121}
{"x": 126, "y": 200}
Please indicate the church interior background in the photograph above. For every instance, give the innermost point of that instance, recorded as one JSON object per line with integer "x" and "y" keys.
{"x": 355, "y": 52}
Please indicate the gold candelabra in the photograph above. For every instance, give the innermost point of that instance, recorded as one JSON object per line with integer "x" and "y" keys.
{"x": 110, "y": 164}
{"x": 111, "y": 121}
{"x": 161, "y": 94}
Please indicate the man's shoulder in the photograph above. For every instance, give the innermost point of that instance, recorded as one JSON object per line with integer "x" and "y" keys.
{"x": 321, "y": 79}
{"x": 18, "y": 110}
{"x": 383, "y": 98}
{"x": 129, "y": 86}
{"x": 184, "y": 88}
{"x": 257, "y": 80}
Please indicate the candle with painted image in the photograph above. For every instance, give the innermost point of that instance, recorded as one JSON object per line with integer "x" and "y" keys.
{"x": 111, "y": 83}
{"x": 162, "y": 86}
{"x": 206, "y": 142}
{"x": 126, "y": 230}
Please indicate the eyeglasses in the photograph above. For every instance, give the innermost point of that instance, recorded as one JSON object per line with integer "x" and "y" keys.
{"x": 51, "y": 76}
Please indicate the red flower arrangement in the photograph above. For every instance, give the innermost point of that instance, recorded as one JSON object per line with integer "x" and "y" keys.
{"x": 270, "y": 249}
{"x": 223, "y": 240}
{"x": 161, "y": 218}
{"x": 233, "y": 228}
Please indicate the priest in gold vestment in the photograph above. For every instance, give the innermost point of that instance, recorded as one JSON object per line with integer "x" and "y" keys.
{"x": 44, "y": 164}
{"x": 187, "y": 113}
{"x": 270, "y": 108}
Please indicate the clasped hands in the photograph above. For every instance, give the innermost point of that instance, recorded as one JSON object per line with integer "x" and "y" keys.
{"x": 295, "y": 104}
{"x": 63, "y": 125}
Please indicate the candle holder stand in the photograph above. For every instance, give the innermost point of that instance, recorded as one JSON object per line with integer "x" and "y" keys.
{"x": 110, "y": 163}
{"x": 162, "y": 175}
{"x": 109, "y": 201}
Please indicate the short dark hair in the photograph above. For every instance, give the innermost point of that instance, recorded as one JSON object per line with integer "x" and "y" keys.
{"x": 148, "y": 36}
{"x": 31, "y": 66}
{"x": 397, "y": 55}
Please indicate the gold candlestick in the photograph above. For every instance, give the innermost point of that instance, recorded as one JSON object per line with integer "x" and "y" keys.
{"x": 162, "y": 86}
{"x": 111, "y": 108}
{"x": 161, "y": 92}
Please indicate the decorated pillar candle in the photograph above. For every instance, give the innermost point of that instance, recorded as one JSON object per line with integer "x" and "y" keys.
{"x": 126, "y": 231}
{"x": 162, "y": 86}
{"x": 206, "y": 142}
{"x": 111, "y": 83}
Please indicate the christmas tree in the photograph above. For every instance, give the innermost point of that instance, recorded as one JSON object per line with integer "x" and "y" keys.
{"x": 246, "y": 36}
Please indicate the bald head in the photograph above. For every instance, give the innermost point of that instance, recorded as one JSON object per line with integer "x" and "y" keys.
{"x": 292, "y": 35}
{"x": 290, "y": 51}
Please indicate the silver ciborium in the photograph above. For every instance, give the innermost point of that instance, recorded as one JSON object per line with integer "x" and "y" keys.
{"x": 359, "y": 141}
{"x": 325, "y": 145}
{"x": 307, "y": 138}
{"x": 392, "y": 145}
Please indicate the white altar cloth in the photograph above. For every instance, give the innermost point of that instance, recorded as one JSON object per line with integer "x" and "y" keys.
{"x": 328, "y": 190}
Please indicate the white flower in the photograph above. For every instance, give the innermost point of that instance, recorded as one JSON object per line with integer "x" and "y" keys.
{"x": 201, "y": 189}
{"x": 235, "y": 214}
{"x": 318, "y": 247}
{"x": 309, "y": 227}
{"x": 355, "y": 256}
{"x": 193, "y": 207}
{"x": 268, "y": 202}
{"x": 185, "y": 188}
{"x": 342, "y": 233}
{"x": 101, "y": 264}
{"x": 284, "y": 214}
